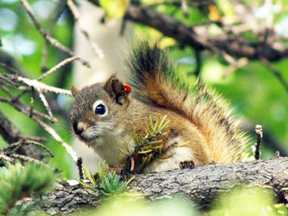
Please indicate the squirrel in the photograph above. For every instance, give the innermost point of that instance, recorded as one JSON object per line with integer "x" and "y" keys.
{"x": 104, "y": 115}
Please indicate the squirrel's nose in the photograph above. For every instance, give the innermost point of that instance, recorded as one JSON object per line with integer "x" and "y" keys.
{"x": 79, "y": 127}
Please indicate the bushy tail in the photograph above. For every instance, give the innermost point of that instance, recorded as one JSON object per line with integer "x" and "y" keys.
{"x": 153, "y": 79}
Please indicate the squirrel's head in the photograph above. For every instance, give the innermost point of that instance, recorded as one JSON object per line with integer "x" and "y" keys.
{"x": 96, "y": 108}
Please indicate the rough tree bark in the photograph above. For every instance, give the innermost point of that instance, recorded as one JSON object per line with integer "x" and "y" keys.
{"x": 202, "y": 185}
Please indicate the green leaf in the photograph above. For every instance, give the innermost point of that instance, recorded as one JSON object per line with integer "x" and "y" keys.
{"x": 114, "y": 8}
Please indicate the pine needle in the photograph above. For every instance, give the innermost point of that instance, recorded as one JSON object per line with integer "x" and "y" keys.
{"x": 150, "y": 146}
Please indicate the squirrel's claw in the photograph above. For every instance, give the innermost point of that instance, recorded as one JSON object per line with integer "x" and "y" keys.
{"x": 187, "y": 165}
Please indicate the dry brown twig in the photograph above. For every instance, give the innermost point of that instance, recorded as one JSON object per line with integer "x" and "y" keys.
{"x": 46, "y": 36}
{"x": 11, "y": 133}
{"x": 6, "y": 158}
{"x": 15, "y": 146}
{"x": 21, "y": 107}
{"x": 6, "y": 90}
{"x": 55, "y": 135}
{"x": 24, "y": 84}
{"x": 28, "y": 159}
{"x": 259, "y": 133}
{"x": 239, "y": 64}
{"x": 49, "y": 129}
{"x": 231, "y": 43}
{"x": 37, "y": 117}
{"x": 45, "y": 104}
{"x": 61, "y": 64}
{"x": 96, "y": 49}
{"x": 276, "y": 73}
{"x": 40, "y": 88}
{"x": 9, "y": 68}
{"x": 32, "y": 101}
{"x": 8, "y": 154}
{"x": 179, "y": 4}
{"x": 8, "y": 81}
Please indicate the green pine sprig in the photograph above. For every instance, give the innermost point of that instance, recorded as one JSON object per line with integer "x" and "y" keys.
{"x": 107, "y": 182}
{"x": 148, "y": 147}
{"x": 18, "y": 182}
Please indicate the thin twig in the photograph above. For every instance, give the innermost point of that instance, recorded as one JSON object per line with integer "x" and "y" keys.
{"x": 61, "y": 64}
{"x": 45, "y": 103}
{"x": 6, "y": 158}
{"x": 34, "y": 138}
{"x": 178, "y": 4}
{"x": 23, "y": 92}
{"x": 259, "y": 133}
{"x": 32, "y": 101}
{"x": 270, "y": 16}
{"x": 276, "y": 72}
{"x": 198, "y": 63}
{"x": 39, "y": 86}
{"x": 9, "y": 81}
{"x": 28, "y": 159}
{"x": 11, "y": 133}
{"x": 9, "y": 68}
{"x": 17, "y": 145}
{"x": 239, "y": 63}
{"x": 80, "y": 168}
{"x": 25, "y": 109}
{"x": 47, "y": 37}
{"x": 44, "y": 57}
{"x": 96, "y": 49}
{"x": 54, "y": 134}
{"x": 6, "y": 90}
{"x": 184, "y": 7}
{"x": 60, "y": 8}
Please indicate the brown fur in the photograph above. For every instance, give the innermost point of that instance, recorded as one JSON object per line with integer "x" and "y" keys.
{"x": 201, "y": 117}
{"x": 156, "y": 84}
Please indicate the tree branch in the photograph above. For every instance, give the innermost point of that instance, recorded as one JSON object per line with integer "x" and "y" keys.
{"x": 232, "y": 44}
{"x": 8, "y": 131}
{"x": 11, "y": 134}
{"x": 202, "y": 185}
{"x": 46, "y": 36}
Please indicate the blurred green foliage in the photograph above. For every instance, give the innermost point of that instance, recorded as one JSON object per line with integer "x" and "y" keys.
{"x": 252, "y": 201}
{"x": 18, "y": 182}
{"x": 27, "y": 51}
{"x": 253, "y": 90}
{"x": 248, "y": 201}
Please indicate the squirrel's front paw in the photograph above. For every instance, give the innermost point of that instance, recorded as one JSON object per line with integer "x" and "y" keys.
{"x": 187, "y": 165}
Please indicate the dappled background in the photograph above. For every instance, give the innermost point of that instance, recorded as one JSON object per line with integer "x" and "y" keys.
{"x": 237, "y": 47}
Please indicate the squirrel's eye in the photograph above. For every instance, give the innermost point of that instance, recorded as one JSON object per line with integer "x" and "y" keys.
{"x": 100, "y": 108}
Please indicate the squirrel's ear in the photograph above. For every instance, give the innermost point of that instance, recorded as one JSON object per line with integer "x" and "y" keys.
{"x": 117, "y": 90}
{"x": 74, "y": 91}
